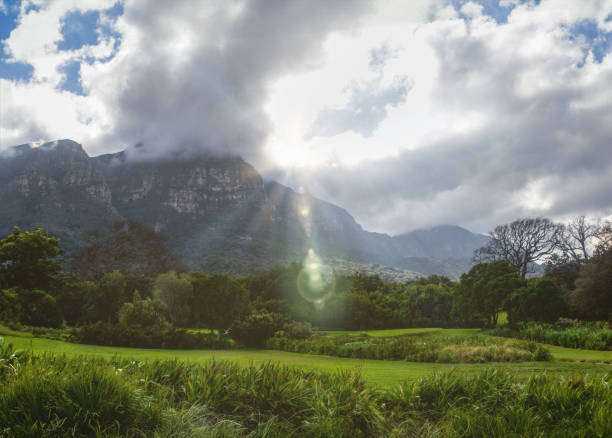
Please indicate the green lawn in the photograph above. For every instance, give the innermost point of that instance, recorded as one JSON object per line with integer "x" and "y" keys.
{"x": 378, "y": 372}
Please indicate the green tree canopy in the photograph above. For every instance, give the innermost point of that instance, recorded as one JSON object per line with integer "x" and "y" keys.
{"x": 592, "y": 297}
{"x": 29, "y": 260}
{"x": 176, "y": 292}
{"x": 483, "y": 289}
{"x": 539, "y": 300}
{"x": 128, "y": 246}
{"x": 218, "y": 300}
{"x": 143, "y": 313}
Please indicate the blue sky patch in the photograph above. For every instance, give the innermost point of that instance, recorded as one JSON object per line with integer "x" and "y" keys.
{"x": 79, "y": 29}
{"x": 8, "y": 19}
{"x": 15, "y": 71}
{"x": 72, "y": 78}
{"x": 491, "y": 8}
{"x": 599, "y": 43}
{"x": 115, "y": 11}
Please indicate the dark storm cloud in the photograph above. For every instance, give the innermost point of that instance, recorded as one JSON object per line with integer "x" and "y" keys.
{"x": 210, "y": 96}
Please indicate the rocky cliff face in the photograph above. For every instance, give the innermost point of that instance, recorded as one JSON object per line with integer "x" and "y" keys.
{"x": 216, "y": 211}
{"x": 197, "y": 185}
{"x": 48, "y": 170}
{"x": 54, "y": 186}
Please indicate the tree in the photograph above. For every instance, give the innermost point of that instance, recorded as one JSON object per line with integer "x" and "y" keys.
{"x": 255, "y": 329}
{"x": 109, "y": 293}
{"x": 128, "y": 246}
{"x": 143, "y": 313}
{"x": 10, "y": 306}
{"x": 218, "y": 300}
{"x": 176, "y": 292}
{"x": 521, "y": 243}
{"x": 73, "y": 296}
{"x": 592, "y": 298}
{"x": 483, "y": 290}
{"x": 39, "y": 309}
{"x": 29, "y": 260}
{"x": 539, "y": 300}
{"x": 576, "y": 242}
{"x": 576, "y": 239}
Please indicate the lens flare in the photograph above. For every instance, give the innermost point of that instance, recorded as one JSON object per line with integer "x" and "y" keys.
{"x": 316, "y": 281}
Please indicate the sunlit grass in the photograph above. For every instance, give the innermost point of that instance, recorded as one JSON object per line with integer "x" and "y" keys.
{"x": 378, "y": 372}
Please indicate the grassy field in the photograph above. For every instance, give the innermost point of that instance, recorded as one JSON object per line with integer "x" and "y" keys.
{"x": 378, "y": 372}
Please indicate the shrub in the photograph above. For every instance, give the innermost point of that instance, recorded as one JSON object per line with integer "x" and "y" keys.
{"x": 411, "y": 348}
{"x": 257, "y": 328}
{"x": 297, "y": 330}
{"x": 143, "y": 313}
{"x": 39, "y": 309}
{"x": 566, "y": 333}
{"x": 121, "y": 335}
{"x": 10, "y": 306}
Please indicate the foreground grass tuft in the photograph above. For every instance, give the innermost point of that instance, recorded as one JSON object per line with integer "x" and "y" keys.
{"x": 54, "y": 395}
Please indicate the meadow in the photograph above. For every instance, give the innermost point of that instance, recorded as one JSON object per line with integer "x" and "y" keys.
{"x": 60, "y": 395}
{"x": 381, "y": 373}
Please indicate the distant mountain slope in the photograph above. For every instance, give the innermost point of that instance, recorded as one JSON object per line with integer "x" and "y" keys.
{"x": 218, "y": 212}
{"x": 442, "y": 242}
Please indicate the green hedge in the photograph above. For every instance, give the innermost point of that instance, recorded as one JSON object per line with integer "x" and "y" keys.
{"x": 147, "y": 337}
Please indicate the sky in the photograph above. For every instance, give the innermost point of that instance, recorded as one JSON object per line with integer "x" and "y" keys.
{"x": 408, "y": 114}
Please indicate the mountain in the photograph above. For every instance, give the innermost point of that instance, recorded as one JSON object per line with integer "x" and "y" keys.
{"x": 217, "y": 212}
{"x": 54, "y": 186}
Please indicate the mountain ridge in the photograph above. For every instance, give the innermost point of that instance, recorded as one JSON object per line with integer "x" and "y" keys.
{"x": 216, "y": 211}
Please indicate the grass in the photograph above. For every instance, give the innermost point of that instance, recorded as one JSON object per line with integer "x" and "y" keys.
{"x": 381, "y": 333}
{"x": 399, "y": 332}
{"x": 378, "y": 372}
{"x": 47, "y": 395}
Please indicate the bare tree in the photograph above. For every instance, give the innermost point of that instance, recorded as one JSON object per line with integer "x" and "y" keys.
{"x": 576, "y": 240}
{"x": 521, "y": 243}
{"x": 604, "y": 238}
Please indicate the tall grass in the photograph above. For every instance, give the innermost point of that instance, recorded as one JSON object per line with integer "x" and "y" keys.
{"x": 415, "y": 348}
{"x": 585, "y": 336}
{"x": 51, "y": 396}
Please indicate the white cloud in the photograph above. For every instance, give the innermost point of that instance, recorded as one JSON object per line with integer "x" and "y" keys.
{"x": 472, "y": 10}
{"x": 502, "y": 121}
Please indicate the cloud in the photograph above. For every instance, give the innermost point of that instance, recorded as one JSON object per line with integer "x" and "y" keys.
{"x": 204, "y": 85}
{"x": 367, "y": 107}
{"x": 530, "y": 137}
{"x": 471, "y": 113}
{"x": 182, "y": 77}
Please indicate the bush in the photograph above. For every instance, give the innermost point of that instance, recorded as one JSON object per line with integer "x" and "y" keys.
{"x": 257, "y": 328}
{"x": 143, "y": 313}
{"x": 10, "y": 306}
{"x": 121, "y": 335}
{"x": 566, "y": 333}
{"x": 39, "y": 309}
{"x": 297, "y": 330}
{"x": 472, "y": 349}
